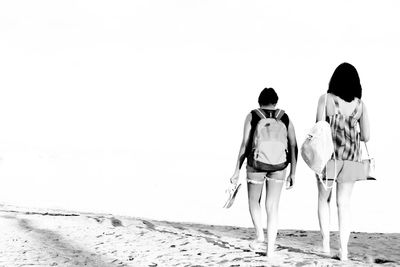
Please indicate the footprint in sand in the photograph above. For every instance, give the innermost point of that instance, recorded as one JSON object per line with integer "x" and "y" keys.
{"x": 97, "y": 219}
{"x": 116, "y": 222}
{"x": 179, "y": 227}
{"x": 142, "y": 233}
{"x": 112, "y": 233}
{"x": 149, "y": 225}
{"x": 382, "y": 261}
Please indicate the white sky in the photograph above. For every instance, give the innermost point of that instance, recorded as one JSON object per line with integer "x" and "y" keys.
{"x": 137, "y": 107}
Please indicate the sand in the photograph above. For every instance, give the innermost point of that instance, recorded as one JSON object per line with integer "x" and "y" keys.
{"x": 59, "y": 238}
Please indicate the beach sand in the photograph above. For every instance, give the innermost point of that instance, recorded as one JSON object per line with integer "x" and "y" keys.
{"x": 59, "y": 238}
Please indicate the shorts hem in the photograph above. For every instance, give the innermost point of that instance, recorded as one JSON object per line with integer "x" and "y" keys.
{"x": 255, "y": 181}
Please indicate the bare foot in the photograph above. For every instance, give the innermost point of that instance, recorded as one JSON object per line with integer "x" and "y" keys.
{"x": 270, "y": 251}
{"x": 343, "y": 255}
{"x": 258, "y": 245}
{"x": 325, "y": 247}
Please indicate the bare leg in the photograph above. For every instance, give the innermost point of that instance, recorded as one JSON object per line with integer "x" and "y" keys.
{"x": 254, "y": 195}
{"x": 274, "y": 189}
{"x": 324, "y": 198}
{"x": 343, "y": 196}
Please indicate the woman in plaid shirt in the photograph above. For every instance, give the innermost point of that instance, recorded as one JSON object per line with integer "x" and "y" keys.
{"x": 348, "y": 117}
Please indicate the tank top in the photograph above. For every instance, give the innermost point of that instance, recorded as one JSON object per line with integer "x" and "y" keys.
{"x": 346, "y": 132}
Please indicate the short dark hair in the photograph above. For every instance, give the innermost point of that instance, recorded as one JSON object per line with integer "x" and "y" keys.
{"x": 345, "y": 82}
{"x": 267, "y": 96}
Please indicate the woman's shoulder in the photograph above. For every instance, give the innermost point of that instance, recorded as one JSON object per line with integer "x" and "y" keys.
{"x": 285, "y": 115}
{"x": 326, "y": 96}
{"x": 359, "y": 100}
{"x": 361, "y": 105}
{"x": 285, "y": 119}
{"x": 249, "y": 116}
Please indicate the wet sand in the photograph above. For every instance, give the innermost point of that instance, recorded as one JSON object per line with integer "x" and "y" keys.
{"x": 59, "y": 238}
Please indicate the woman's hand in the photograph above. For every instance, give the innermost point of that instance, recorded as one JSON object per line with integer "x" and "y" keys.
{"x": 290, "y": 181}
{"x": 235, "y": 178}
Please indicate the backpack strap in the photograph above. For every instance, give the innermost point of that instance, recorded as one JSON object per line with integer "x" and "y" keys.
{"x": 324, "y": 112}
{"x": 260, "y": 113}
{"x": 279, "y": 114}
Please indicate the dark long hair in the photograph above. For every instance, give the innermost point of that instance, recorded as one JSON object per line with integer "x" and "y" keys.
{"x": 345, "y": 82}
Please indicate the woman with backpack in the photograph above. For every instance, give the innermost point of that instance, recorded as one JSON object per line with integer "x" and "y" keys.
{"x": 269, "y": 144}
{"x": 348, "y": 118}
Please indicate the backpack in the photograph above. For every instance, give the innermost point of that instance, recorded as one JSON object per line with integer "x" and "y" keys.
{"x": 269, "y": 151}
{"x": 317, "y": 148}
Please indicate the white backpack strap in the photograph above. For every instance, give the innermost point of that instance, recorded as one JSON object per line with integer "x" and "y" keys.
{"x": 325, "y": 184}
{"x": 324, "y": 113}
{"x": 260, "y": 113}
{"x": 279, "y": 114}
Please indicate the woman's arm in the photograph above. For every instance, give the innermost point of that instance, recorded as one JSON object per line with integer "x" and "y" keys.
{"x": 320, "y": 108}
{"x": 293, "y": 155}
{"x": 242, "y": 156}
{"x": 364, "y": 124}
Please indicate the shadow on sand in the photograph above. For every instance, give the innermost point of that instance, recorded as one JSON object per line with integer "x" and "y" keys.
{"x": 63, "y": 251}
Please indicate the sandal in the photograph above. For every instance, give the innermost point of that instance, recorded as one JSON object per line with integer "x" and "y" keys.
{"x": 232, "y": 194}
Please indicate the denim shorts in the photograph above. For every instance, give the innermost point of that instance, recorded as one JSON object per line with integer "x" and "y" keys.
{"x": 256, "y": 177}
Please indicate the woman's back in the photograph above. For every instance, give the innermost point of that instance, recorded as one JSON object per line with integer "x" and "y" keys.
{"x": 345, "y": 108}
